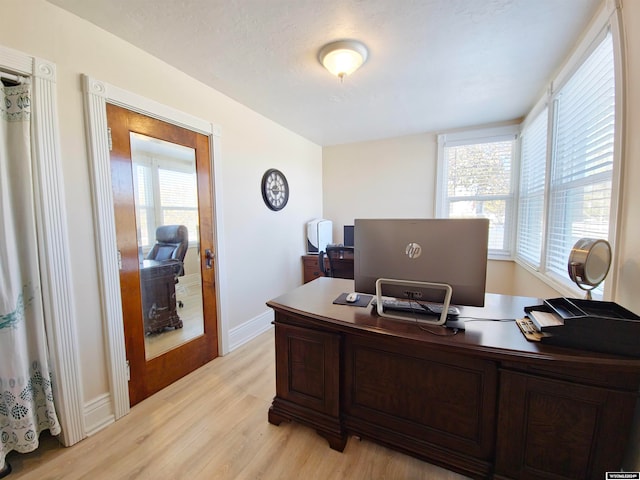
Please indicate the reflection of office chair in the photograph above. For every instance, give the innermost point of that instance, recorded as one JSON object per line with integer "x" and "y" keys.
{"x": 339, "y": 266}
{"x": 172, "y": 242}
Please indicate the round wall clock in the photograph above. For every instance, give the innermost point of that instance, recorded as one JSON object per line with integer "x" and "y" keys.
{"x": 275, "y": 189}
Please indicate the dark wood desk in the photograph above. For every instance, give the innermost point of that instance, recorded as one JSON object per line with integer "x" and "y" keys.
{"x": 158, "y": 289}
{"x": 485, "y": 402}
{"x": 311, "y": 268}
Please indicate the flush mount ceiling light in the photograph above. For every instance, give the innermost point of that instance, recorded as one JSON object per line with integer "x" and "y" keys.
{"x": 343, "y": 57}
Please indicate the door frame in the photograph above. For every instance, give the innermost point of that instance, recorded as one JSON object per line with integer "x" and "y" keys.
{"x": 97, "y": 95}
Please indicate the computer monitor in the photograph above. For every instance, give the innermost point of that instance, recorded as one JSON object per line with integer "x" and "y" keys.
{"x": 450, "y": 251}
{"x": 348, "y": 235}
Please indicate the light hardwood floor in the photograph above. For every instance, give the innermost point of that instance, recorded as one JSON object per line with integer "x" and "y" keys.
{"x": 156, "y": 344}
{"x": 212, "y": 424}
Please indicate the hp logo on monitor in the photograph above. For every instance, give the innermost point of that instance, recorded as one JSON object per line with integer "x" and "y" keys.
{"x": 413, "y": 250}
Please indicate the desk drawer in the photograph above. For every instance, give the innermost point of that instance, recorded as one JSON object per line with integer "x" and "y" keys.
{"x": 311, "y": 269}
{"x": 307, "y": 368}
{"x": 555, "y": 429}
{"x": 429, "y": 398}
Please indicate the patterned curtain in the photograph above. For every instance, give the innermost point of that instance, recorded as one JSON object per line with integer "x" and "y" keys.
{"x": 26, "y": 401}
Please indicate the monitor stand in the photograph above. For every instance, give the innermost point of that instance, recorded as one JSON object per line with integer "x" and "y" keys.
{"x": 412, "y": 283}
{"x": 455, "y": 324}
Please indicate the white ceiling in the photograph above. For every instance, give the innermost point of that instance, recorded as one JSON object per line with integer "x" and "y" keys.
{"x": 433, "y": 64}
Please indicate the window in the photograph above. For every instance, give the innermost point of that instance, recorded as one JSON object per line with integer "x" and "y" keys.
{"x": 476, "y": 175}
{"x": 531, "y": 200}
{"x": 578, "y": 189}
{"x": 178, "y": 198}
{"x": 166, "y": 194}
{"x": 561, "y": 186}
{"x": 145, "y": 210}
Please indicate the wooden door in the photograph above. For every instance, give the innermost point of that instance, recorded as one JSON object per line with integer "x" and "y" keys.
{"x": 165, "y": 150}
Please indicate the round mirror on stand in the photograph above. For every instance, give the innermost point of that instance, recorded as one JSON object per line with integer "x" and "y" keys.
{"x": 589, "y": 263}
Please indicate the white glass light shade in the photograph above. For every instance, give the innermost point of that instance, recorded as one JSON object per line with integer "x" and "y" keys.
{"x": 343, "y": 57}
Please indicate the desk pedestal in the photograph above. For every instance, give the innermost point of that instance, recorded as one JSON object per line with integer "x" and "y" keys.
{"x": 157, "y": 281}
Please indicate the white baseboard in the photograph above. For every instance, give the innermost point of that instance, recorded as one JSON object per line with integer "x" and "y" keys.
{"x": 98, "y": 414}
{"x": 250, "y": 329}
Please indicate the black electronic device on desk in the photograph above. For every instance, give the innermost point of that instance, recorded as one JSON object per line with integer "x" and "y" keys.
{"x": 588, "y": 324}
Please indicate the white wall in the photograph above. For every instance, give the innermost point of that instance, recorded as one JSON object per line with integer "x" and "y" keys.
{"x": 192, "y": 261}
{"x": 396, "y": 178}
{"x": 629, "y": 245}
{"x": 629, "y": 240}
{"x": 258, "y": 242}
{"x": 390, "y": 178}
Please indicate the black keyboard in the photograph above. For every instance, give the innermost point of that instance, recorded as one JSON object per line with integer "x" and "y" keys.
{"x": 412, "y": 306}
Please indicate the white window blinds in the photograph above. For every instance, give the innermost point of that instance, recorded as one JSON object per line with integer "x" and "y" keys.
{"x": 580, "y": 179}
{"x": 532, "y": 190}
{"x": 145, "y": 209}
{"x": 566, "y": 168}
{"x": 478, "y": 182}
{"x": 165, "y": 195}
{"x": 179, "y": 199}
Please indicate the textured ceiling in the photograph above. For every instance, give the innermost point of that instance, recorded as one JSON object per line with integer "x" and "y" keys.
{"x": 433, "y": 64}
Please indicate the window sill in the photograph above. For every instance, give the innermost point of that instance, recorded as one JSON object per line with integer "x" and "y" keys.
{"x": 563, "y": 289}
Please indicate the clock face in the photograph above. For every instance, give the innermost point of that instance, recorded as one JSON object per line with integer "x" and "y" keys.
{"x": 275, "y": 189}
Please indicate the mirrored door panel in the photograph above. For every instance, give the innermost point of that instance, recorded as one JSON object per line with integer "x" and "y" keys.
{"x": 166, "y": 205}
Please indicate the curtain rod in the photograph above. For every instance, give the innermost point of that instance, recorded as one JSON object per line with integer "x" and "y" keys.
{"x": 12, "y": 78}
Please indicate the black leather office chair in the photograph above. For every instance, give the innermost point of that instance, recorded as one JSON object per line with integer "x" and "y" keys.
{"x": 158, "y": 275}
{"x": 172, "y": 242}
{"x": 339, "y": 266}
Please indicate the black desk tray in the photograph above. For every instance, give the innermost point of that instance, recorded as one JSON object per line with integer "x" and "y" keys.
{"x": 591, "y": 325}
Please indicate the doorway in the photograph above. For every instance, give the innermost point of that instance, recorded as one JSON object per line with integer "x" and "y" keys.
{"x": 162, "y": 194}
